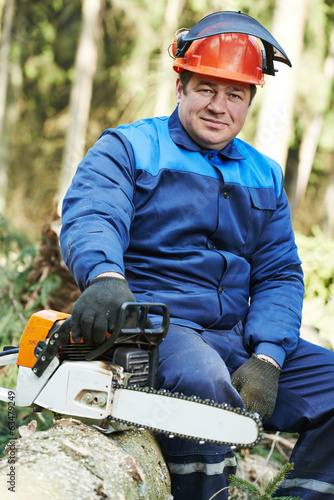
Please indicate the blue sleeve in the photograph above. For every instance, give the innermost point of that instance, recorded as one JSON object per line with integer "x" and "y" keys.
{"x": 98, "y": 209}
{"x": 276, "y": 289}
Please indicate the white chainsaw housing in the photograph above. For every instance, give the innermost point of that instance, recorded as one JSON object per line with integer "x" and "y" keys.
{"x": 79, "y": 389}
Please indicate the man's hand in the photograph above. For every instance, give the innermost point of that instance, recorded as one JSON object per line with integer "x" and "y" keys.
{"x": 256, "y": 380}
{"x": 97, "y": 309}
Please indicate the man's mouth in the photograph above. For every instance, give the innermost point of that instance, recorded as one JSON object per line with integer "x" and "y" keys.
{"x": 211, "y": 122}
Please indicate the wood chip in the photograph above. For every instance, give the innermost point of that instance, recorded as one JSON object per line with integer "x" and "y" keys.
{"x": 131, "y": 467}
{"x": 27, "y": 430}
{"x": 75, "y": 448}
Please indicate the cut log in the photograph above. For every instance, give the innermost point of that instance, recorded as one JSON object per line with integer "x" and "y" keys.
{"x": 74, "y": 461}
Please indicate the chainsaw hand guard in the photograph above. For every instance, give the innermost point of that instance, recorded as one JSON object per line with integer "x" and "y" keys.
{"x": 143, "y": 335}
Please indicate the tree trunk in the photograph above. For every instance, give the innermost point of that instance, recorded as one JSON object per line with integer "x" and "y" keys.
{"x": 165, "y": 79}
{"x": 2, "y": 5}
{"x": 85, "y": 68}
{"x": 134, "y": 99}
{"x": 276, "y": 113}
{"x": 74, "y": 461}
{"x": 328, "y": 225}
{"x": 307, "y": 151}
{"x": 4, "y": 58}
{"x": 309, "y": 144}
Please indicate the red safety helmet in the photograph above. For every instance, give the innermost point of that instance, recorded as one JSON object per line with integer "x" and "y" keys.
{"x": 226, "y": 44}
{"x": 234, "y": 56}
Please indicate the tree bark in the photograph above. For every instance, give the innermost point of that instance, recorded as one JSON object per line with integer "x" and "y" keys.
{"x": 72, "y": 460}
{"x": 85, "y": 68}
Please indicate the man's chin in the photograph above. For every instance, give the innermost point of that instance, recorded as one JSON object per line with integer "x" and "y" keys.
{"x": 211, "y": 143}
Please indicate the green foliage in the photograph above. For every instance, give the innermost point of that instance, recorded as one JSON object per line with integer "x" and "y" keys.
{"x": 16, "y": 257}
{"x": 317, "y": 256}
{"x": 255, "y": 493}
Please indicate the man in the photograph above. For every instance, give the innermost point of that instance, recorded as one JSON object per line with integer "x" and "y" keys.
{"x": 178, "y": 210}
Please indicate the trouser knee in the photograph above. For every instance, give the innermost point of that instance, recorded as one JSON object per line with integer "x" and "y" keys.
{"x": 188, "y": 365}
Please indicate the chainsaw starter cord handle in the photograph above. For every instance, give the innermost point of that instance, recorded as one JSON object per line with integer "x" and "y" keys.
{"x": 97, "y": 310}
{"x": 256, "y": 380}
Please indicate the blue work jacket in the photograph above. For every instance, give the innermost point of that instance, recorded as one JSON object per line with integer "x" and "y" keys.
{"x": 208, "y": 233}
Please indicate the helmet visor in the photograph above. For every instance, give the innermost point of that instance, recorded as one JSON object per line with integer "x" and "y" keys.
{"x": 236, "y": 22}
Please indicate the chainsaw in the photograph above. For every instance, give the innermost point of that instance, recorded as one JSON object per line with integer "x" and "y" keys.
{"x": 112, "y": 386}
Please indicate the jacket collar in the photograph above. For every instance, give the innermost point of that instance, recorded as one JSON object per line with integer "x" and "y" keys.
{"x": 183, "y": 140}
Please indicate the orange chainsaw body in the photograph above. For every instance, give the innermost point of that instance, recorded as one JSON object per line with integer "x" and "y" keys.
{"x": 36, "y": 330}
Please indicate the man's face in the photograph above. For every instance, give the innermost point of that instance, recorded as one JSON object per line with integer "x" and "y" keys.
{"x": 213, "y": 110}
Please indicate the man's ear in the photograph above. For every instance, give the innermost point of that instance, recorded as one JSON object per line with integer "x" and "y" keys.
{"x": 178, "y": 90}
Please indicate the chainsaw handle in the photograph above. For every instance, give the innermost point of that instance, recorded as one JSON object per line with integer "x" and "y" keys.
{"x": 144, "y": 333}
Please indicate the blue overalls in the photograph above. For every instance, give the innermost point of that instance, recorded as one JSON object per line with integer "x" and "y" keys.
{"x": 209, "y": 234}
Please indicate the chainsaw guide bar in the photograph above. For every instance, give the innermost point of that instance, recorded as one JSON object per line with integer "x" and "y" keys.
{"x": 166, "y": 419}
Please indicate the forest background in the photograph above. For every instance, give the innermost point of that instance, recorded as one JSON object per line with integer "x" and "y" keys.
{"x": 71, "y": 68}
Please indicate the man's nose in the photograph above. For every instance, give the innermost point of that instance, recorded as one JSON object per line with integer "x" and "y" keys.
{"x": 218, "y": 103}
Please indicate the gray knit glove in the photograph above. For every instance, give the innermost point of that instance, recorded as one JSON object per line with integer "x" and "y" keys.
{"x": 256, "y": 381}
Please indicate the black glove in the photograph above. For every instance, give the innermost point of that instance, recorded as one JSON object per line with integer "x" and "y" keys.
{"x": 97, "y": 309}
{"x": 256, "y": 381}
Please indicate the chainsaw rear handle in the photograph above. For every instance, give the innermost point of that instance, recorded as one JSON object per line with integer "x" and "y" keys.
{"x": 144, "y": 335}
